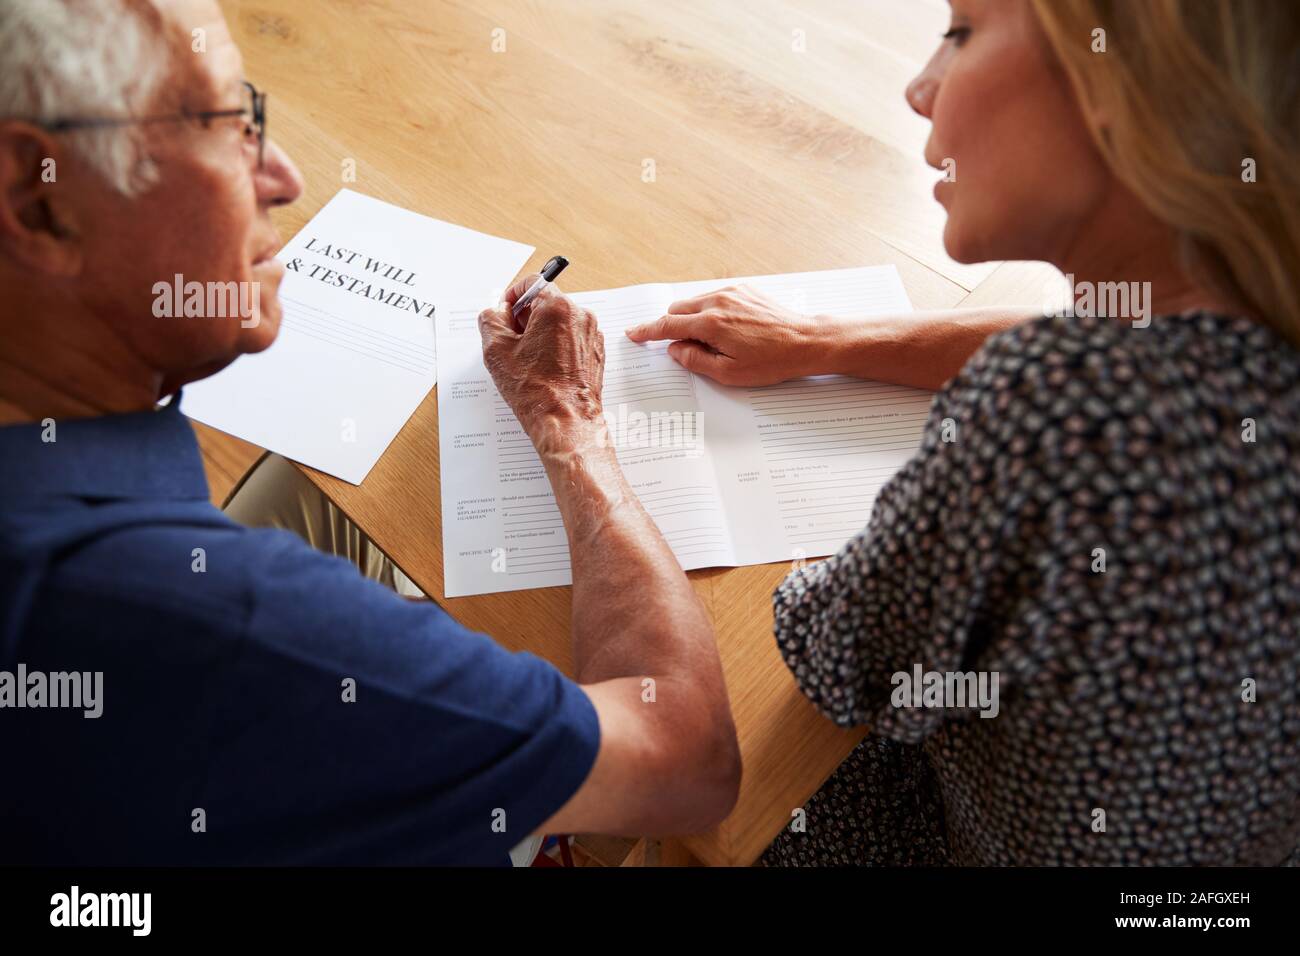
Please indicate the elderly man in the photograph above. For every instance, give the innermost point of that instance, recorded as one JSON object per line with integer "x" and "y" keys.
{"x": 263, "y": 702}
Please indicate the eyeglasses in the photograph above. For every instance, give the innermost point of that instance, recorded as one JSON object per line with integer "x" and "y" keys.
{"x": 253, "y": 110}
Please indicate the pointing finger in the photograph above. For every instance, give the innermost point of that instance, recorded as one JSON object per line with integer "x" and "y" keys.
{"x": 670, "y": 327}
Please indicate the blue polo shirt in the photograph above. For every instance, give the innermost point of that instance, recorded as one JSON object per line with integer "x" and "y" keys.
{"x": 225, "y": 654}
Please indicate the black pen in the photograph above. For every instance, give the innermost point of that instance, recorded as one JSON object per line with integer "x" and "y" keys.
{"x": 554, "y": 266}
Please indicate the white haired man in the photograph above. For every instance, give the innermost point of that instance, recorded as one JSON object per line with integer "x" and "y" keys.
{"x": 224, "y": 735}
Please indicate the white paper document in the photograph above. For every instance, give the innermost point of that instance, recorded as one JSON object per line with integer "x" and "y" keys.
{"x": 732, "y": 476}
{"x": 355, "y": 354}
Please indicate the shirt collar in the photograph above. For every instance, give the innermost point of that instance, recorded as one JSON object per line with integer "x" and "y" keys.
{"x": 150, "y": 454}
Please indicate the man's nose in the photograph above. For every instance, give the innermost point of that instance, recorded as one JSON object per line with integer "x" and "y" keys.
{"x": 278, "y": 182}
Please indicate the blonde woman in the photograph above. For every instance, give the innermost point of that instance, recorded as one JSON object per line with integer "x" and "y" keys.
{"x": 1114, "y": 532}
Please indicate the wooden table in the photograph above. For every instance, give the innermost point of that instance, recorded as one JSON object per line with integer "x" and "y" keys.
{"x": 648, "y": 141}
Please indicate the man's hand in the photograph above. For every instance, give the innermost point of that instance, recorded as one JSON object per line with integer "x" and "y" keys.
{"x": 738, "y": 336}
{"x": 550, "y": 365}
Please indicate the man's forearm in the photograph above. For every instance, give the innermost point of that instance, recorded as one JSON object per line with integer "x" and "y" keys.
{"x": 922, "y": 349}
{"x": 634, "y": 611}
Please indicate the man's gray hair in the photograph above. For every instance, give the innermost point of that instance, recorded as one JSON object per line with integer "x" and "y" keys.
{"x": 64, "y": 59}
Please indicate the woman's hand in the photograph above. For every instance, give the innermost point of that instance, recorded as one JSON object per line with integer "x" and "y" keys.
{"x": 549, "y": 365}
{"x": 738, "y": 336}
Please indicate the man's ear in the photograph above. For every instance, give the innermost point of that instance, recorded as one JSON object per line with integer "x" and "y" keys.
{"x": 38, "y": 227}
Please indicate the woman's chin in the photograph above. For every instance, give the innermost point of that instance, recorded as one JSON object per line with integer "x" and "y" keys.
{"x": 958, "y": 246}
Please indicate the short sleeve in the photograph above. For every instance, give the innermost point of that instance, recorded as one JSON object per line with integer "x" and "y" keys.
{"x": 914, "y": 593}
{"x": 358, "y": 727}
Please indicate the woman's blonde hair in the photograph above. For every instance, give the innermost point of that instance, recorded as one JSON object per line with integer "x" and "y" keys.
{"x": 1195, "y": 106}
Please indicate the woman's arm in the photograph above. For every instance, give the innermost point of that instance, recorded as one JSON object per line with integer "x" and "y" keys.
{"x": 740, "y": 337}
{"x": 922, "y": 349}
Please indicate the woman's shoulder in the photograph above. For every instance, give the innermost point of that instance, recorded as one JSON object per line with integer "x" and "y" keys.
{"x": 1193, "y": 360}
{"x": 1060, "y": 397}
{"x": 1188, "y": 342}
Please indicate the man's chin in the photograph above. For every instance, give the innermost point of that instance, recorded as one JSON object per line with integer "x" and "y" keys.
{"x": 260, "y": 337}
{"x": 179, "y": 380}
{"x": 261, "y": 331}
{"x": 256, "y": 334}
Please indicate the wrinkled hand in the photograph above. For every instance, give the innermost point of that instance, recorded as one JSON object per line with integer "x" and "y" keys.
{"x": 736, "y": 336}
{"x": 550, "y": 365}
